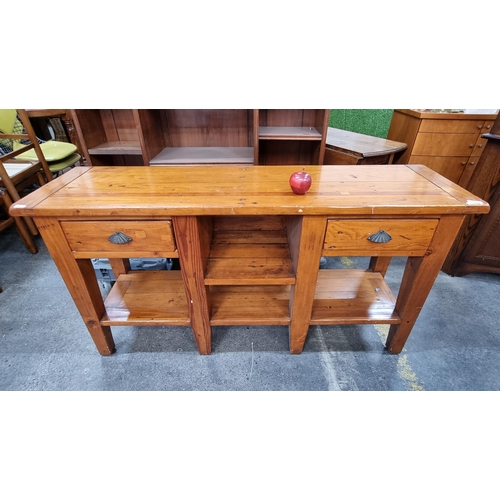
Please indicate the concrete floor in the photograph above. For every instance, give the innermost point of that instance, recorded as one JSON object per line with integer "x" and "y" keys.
{"x": 44, "y": 345}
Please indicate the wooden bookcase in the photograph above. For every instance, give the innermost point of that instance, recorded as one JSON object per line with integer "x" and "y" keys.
{"x": 202, "y": 136}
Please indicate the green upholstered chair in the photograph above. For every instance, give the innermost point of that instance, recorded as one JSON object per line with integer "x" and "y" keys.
{"x": 58, "y": 155}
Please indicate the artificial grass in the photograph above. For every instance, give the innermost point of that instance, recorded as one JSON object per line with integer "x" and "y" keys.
{"x": 374, "y": 122}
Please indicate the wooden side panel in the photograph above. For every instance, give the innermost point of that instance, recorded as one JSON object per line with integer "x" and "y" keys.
{"x": 403, "y": 128}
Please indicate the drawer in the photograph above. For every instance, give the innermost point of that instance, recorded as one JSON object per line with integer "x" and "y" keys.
{"x": 138, "y": 238}
{"x": 450, "y": 167}
{"x": 452, "y": 126}
{"x": 350, "y": 237}
{"x": 444, "y": 144}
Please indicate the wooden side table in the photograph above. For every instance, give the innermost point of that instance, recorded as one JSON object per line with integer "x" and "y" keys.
{"x": 249, "y": 248}
{"x": 350, "y": 148}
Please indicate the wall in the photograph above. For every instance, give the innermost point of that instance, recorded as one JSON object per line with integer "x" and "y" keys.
{"x": 374, "y": 122}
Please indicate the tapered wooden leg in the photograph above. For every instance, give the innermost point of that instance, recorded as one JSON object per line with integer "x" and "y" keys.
{"x": 379, "y": 264}
{"x": 119, "y": 266}
{"x": 305, "y": 238}
{"x": 81, "y": 281}
{"x": 418, "y": 278}
{"x": 25, "y": 235}
{"x": 193, "y": 245}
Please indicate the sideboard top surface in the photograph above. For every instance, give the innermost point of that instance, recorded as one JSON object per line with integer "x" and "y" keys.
{"x": 107, "y": 192}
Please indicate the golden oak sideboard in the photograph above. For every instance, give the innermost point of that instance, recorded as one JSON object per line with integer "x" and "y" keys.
{"x": 249, "y": 249}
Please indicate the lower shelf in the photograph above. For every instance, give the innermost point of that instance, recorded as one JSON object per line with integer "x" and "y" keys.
{"x": 250, "y": 305}
{"x": 158, "y": 298}
{"x": 353, "y": 296}
{"x": 147, "y": 298}
{"x": 117, "y": 148}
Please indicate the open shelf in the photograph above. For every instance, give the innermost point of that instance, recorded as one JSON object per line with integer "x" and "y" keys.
{"x": 255, "y": 305}
{"x": 289, "y": 133}
{"x": 353, "y": 296}
{"x": 147, "y": 298}
{"x": 117, "y": 148}
{"x": 249, "y": 258}
{"x": 204, "y": 155}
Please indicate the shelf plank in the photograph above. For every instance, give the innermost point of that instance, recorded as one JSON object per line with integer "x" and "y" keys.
{"x": 117, "y": 148}
{"x": 204, "y": 156}
{"x": 353, "y": 296}
{"x": 147, "y": 298}
{"x": 289, "y": 133}
{"x": 249, "y": 258}
{"x": 250, "y": 305}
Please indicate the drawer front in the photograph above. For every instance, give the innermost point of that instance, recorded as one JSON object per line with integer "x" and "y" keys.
{"x": 450, "y": 167}
{"x": 452, "y": 126}
{"x": 132, "y": 238}
{"x": 350, "y": 237}
{"x": 444, "y": 144}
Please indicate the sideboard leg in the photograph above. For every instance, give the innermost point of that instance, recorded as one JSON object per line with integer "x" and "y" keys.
{"x": 81, "y": 281}
{"x": 379, "y": 264}
{"x": 193, "y": 245}
{"x": 418, "y": 278}
{"x": 305, "y": 239}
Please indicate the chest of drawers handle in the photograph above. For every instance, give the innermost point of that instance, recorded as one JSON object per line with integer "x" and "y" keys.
{"x": 380, "y": 237}
{"x": 119, "y": 238}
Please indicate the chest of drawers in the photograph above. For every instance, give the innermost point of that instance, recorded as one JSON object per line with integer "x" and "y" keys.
{"x": 448, "y": 143}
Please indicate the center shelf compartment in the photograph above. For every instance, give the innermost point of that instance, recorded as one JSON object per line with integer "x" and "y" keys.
{"x": 255, "y": 305}
{"x": 353, "y": 296}
{"x": 241, "y": 254}
{"x": 147, "y": 298}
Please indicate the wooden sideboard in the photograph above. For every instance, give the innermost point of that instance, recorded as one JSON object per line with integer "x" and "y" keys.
{"x": 249, "y": 248}
{"x": 351, "y": 148}
{"x": 448, "y": 143}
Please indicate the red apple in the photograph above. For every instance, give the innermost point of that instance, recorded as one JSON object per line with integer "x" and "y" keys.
{"x": 300, "y": 182}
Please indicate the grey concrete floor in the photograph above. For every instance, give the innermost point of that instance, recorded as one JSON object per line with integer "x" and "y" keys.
{"x": 44, "y": 345}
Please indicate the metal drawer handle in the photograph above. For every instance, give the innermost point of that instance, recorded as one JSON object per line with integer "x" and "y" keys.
{"x": 119, "y": 238}
{"x": 380, "y": 237}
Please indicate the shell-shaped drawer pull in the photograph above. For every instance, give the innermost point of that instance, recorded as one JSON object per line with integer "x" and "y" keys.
{"x": 380, "y": 237}
{"x": 119, "y": 238}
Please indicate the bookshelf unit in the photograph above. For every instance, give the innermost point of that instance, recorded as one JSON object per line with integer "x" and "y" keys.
{"x": 202, "y": 136}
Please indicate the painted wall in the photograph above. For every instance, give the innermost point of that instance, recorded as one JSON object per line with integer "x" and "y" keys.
{"x": 374, "y": 122}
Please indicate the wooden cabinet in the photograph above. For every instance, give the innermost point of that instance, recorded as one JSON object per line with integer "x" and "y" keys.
{"x": 448, "y": 143}
{"x": 477, "y": 246}
{"x": 202, "y": 136}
